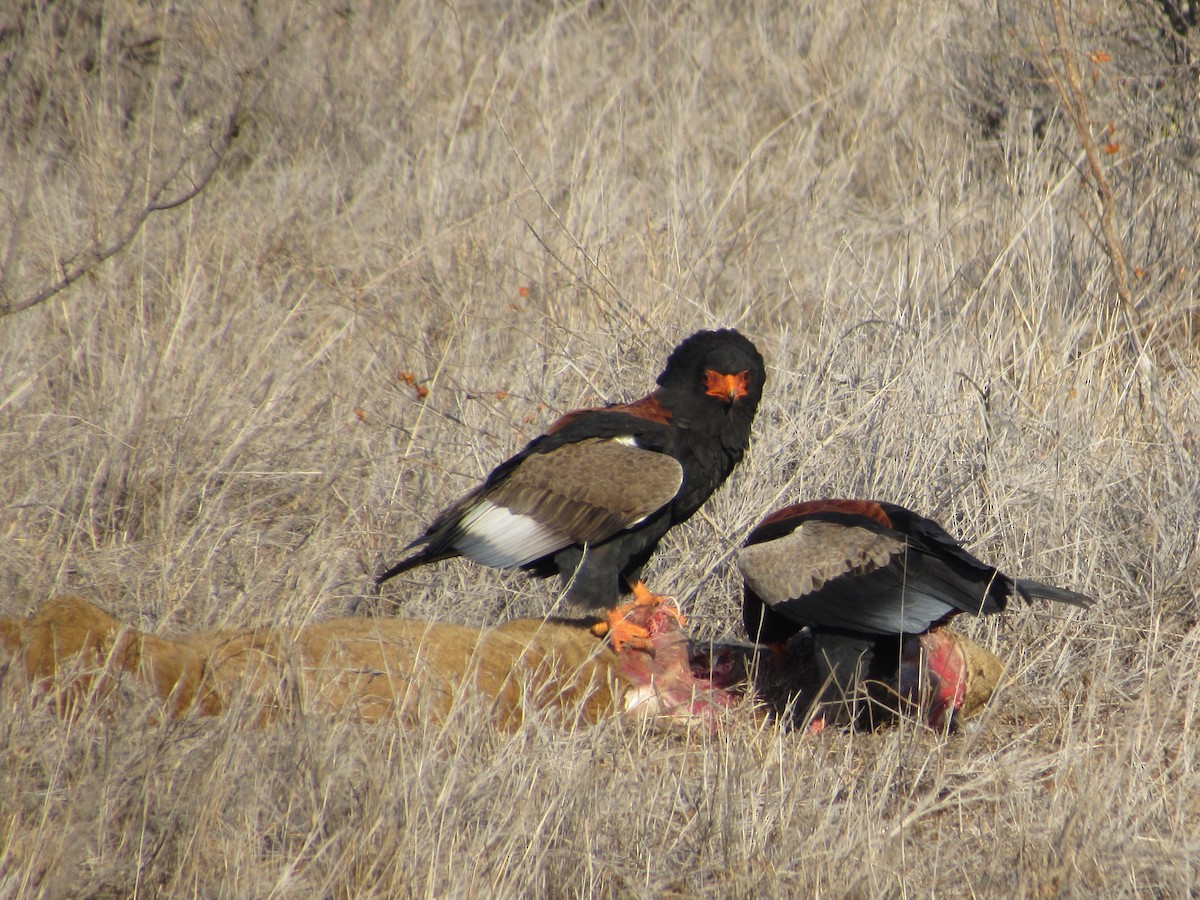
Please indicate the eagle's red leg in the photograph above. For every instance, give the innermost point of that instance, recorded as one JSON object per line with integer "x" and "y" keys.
{"x": 622, "y": 625}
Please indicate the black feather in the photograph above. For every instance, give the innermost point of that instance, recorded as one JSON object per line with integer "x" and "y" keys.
{"x": 705, "y": 434}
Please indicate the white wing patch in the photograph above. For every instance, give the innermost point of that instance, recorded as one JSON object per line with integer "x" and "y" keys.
{"x": 494, "y": 536}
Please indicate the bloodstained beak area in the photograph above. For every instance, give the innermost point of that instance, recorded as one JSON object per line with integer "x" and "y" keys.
{"x": 726, "y": 387}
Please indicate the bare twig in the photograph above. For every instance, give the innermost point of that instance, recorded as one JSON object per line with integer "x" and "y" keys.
{"x": 1075, "y": 104}
{"x": 250, "y": 85}
{"x": 98, "y": 251}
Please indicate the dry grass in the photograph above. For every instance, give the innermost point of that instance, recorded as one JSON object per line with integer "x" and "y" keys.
{"x": 541, "y": 199}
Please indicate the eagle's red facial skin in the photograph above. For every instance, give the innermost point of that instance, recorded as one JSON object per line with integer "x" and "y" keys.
{"x": 726, "y": 387}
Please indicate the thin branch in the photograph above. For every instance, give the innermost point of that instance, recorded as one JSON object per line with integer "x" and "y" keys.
{"x": 1075, "y": 104}
{"x": 95, "y": 253}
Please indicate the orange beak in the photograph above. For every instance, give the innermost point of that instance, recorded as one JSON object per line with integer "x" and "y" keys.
{"x": 726, "y": 387}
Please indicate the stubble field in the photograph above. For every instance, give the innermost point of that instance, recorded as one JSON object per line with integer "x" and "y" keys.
{"x": 421, "y": 232}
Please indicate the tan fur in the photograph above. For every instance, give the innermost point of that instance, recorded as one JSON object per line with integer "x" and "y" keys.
{"x": 373, "y": 668}
{"x": 376, "y": 667}
{"x": 983, "y": 674}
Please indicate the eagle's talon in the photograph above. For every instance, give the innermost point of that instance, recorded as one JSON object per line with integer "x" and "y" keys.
{"x": 623, "y": 634}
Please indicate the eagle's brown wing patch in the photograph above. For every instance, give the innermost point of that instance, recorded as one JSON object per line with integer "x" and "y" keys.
{"x": 797, "y": 564}
{"x": 591, "y": 489}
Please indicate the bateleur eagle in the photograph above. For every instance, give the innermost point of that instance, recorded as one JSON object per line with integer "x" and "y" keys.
{"x": 864, "y": 577}
{"x": 590, "y": 499}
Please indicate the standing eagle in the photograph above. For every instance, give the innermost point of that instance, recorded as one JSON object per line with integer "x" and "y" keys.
{"x": 590, "y": 499}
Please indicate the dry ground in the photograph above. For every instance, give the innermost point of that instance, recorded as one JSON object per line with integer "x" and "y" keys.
{"x": 525, "y": 205}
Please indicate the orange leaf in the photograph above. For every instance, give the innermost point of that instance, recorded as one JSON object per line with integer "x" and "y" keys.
{"x": 523, "y": 290}
{"x": 407, "y": 377}
{"x": 500, "y": 395}
{"x": 1099, "y": 56}
{"x": 422, "y": 391}
{"x": 1112, "y": 147}
{"x": 361, "y": 413}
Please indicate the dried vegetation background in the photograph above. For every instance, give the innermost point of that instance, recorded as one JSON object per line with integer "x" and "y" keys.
{"x": 281, "y": 280}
